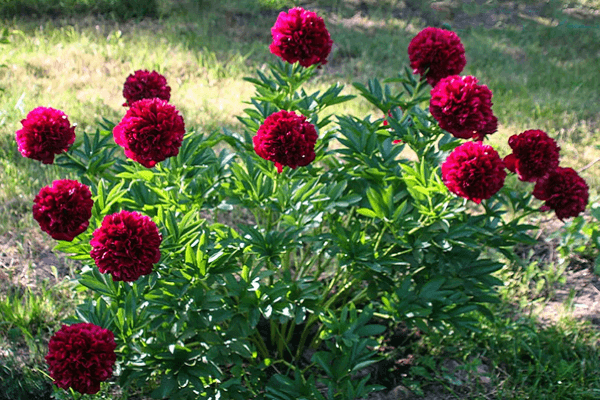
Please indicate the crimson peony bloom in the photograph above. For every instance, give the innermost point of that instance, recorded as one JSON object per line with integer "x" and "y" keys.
{"x": 46, "y": 132}
{"x": 126, "y": 246}
{"x": 143, "y": 84}
{"x": 80, "y": 356}
{"x": 474, "y": 171}
{"x": 563, "y": 191}
{"x": 286, "y": 139}
{"x": 534, "y": 155}
{"x": 439, "y": 50}
{"x": 463, "y": 108}
{"x": 301, "y": 35}
{"x": 151, "y": 131}
{"x": 64, "y": 209}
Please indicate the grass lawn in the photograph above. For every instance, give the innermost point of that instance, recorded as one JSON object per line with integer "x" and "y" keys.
{"x": 539, "y": 58}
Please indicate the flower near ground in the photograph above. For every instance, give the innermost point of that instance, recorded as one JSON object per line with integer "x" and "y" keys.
{"x": 287, "y": 139}
{"x": 143, "y": 84}
{"x": 126, "y": 246}
{"x": 438, "y": 53}
{"x": 474, "y": 171}
{"x": 563, "y": 191}
{"x": 301, "y": 36}
{"x": 151, "y": 131}
{"x": 45, "y": 133}
{"x": 534, "y": 155}
{"x": 64, "y": 209}
{"x": 81, "y": 356}
{"x": 463, "y": 107}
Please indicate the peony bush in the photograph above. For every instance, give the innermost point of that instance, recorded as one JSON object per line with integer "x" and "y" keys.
{"x": 279, "y": 265}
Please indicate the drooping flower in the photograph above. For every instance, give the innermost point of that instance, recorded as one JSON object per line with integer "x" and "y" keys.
{"x": 563, "y": 191}
{"x": 474, "y": 171}
{"x": 143, "y": 84}
{"x": 45, "y": 132}
{"x": 463, "y": 108}
{"x": 151, "y": 131}
{"x": 438, "y": 50}
{"x": 287, "y": 139}
{"x": 64, "y": 209}
{"x": 81, "y": 356}
{"x": 534, "y": 155}
{"x": 301, "y": 36}
{"x": 126, "y": 246}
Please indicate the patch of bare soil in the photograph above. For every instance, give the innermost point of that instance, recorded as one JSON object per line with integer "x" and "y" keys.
{"x": 27, "y": 259}
{"x": 578, "y": 298}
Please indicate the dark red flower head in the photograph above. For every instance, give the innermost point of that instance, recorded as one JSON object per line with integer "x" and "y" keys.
{"x": 439, "y": 50}
{"x": 301, "y": 35}
{"x": 80, "y": 356}
{"x": 151, "y": 131}
{"x": 474, "y": 171}
{"x": 534, "y": 155}
{"x": 46, "y": 132}
{"x": 64, "y": 209}
{"x": 463, "y": 108}
{"x": 126, "y": 246}
{"x": 563, "y": 191}
{"x": 286, "y": 139}
{"x": 143, "y": 84}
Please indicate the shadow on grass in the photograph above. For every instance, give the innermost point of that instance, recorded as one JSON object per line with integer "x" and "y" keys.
{"x": 512, "y": 357}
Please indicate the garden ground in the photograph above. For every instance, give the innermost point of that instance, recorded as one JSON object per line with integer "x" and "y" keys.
{"x": 539, "y": 58}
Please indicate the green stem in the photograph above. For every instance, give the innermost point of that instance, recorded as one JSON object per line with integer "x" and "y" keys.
{"x": 278, "y": 338}
{"x": 379, "y": 238}
{"x": 75, "y": 395}
{"x": 260, "y": 344}
{"x": 311, "y": 320}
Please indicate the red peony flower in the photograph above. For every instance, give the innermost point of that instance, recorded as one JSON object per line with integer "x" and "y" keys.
{"x": 63, "y": 210}
{"x": 474, "y": 171}
{"x": 301, "y": 35}
{"x": 439, "y": 50}
{"x": 286, "y": 139}
{"x": 563, "y": 191}
{"x": 126, "y": 246}
{"x": 151, "y": 131}
{"x": 143, "y": 84}
{"x": 46, "y": 132}
{"x": 463, "y": 108}
{"x": 534, "y": 155}
{"x": 80, "y": 356}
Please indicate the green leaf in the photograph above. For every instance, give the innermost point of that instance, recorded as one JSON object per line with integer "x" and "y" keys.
{"x": 363, "y": 364}
{"x": 367, "y": 212}
{"x": 370, "y": 330}
{"x": 97, "y": 286}
{"x": 167, "y": 385}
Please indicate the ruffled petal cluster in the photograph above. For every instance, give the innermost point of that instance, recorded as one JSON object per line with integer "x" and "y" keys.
{"x": 127, "y": 245}
{"x": 474, "y": 171}
{"x": 563, "y": 191}
{"x": 438, "y": 50}
{"x": 64, "y": 209}
{"x": 45, "y": 133}
{"x": 81, "y": 356}
{"x": 463, "y": 107}
{"x": 301, "y": 36}
{"x": 143, "y": 84}
{"x": 151, "y": 131}
{"x": 534, "y": 155}
{"x": 287, "y": 139}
